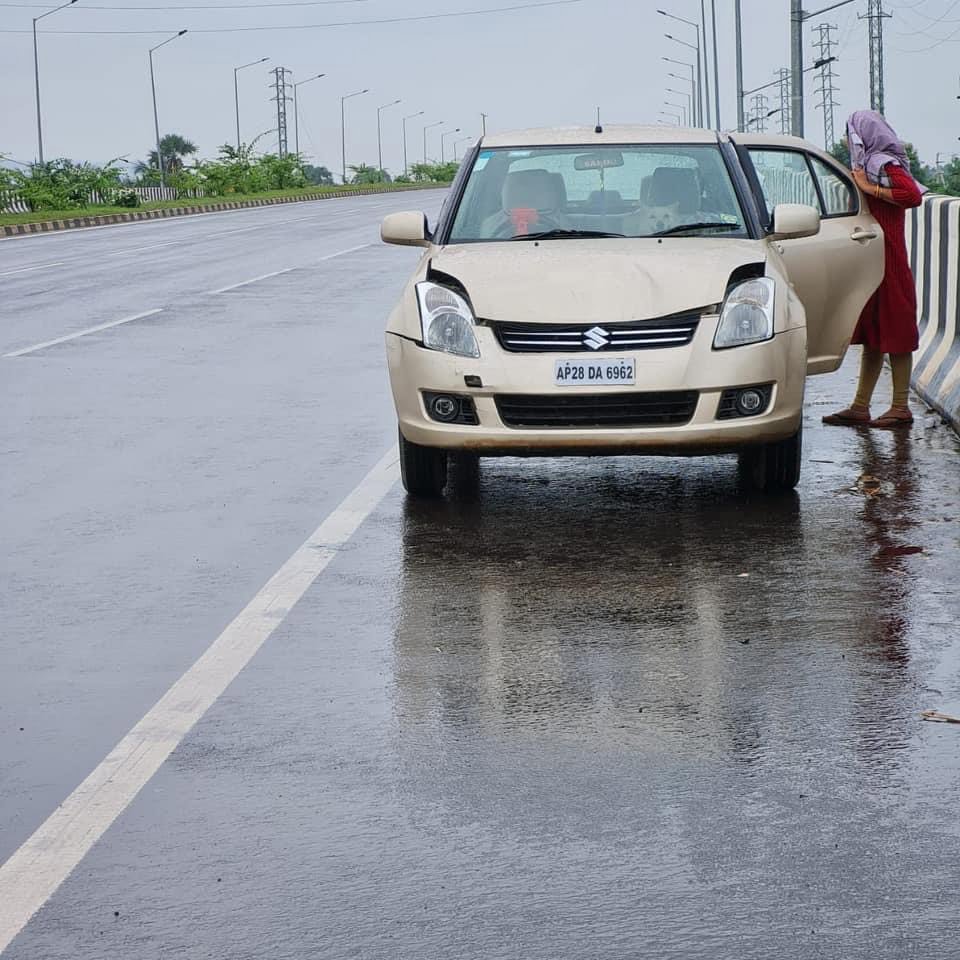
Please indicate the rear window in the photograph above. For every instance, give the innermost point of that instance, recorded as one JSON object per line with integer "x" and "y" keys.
{"x": 636, "y": 190}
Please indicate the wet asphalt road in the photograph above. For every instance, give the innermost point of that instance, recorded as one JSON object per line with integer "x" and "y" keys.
{"x": 579, "y": 709}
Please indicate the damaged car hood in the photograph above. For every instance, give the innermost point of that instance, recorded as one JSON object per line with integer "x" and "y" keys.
{"x": 576, "y": 281}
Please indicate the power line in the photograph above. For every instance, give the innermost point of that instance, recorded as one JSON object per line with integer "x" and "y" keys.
{"x": 319, "y": 26}
{"x": 933, "y": 21}
{"x": 201, "y": 6}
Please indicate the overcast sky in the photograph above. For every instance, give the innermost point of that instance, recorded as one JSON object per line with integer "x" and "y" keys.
{"x": 542, "y": 66}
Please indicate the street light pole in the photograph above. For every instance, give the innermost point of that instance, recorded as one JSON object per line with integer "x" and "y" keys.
{"x": 296, "y": 113}
{"x": 675, "y": 117}
{"x": 683, "y": 110}
{"x": 699, "y": 113}
{"x": 738, "y": 16}
{"x": 236, "y": 92}
{"x": 153, "y": 91}
{"x": 425, "y": 129}
{"x": 691, "y": 79}
{"x": 716, "y": 66}
{"x": 343, "y": 130}
{"x": 392, "y": 103}
{"x": 443, "y": 136}
{"x": 696, "y": 50}
{"x": 680, "y": 93}
{"x": 36, "y": 74}
{"x": 456, "y": 143}
{"x": 409, "y": 116}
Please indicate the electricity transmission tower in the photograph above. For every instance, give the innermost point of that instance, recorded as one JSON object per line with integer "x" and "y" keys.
{"x": 825, "y": 44}
{"x": 280, "y": 96}
{"x": 876, "y": 16}
{"x": 761, "y": 110}
{"x": 784, "y": 82}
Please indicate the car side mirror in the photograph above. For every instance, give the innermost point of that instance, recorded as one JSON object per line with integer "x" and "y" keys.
{"x": 408, "y": 229}
{"x": 791, "y": 221}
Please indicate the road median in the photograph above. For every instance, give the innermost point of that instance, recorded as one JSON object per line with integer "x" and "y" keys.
{"x": 191, "y": 208}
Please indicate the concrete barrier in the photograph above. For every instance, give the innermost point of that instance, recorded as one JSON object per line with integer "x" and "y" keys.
{"x": 933, "y": 239}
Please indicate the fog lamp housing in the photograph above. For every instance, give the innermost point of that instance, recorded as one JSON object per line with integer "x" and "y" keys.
{"x": 750, "y": 401}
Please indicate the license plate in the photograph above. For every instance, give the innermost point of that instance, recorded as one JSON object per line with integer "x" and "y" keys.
{"x": 594, "y": 372}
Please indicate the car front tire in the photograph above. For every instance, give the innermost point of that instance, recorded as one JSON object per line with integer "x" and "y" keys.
{"x": 773, "y": 467}
{"x": 423, "y": 470}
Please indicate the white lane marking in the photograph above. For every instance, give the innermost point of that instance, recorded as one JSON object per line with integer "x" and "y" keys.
{"x": 277, "y": 273}
{"x": 340, "y": 253}
{"x": 129, "y": 251}
{"x": 246, "y": 283}
{"x": 35, "y": 871}
{"x": 82, "y": 333}
{"x": 39, "y": 266}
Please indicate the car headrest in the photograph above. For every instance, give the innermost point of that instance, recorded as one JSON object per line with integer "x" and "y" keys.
{"x": 671, "y": 185}
{"x": 560, "y": 186}
{"x": 531, "y": 189}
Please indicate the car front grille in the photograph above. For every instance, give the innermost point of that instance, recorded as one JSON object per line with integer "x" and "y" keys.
{"x": 674, "y": 331}
{"x": 664, "y": 409}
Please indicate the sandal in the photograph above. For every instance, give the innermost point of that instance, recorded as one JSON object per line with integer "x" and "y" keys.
{"x": 851, "y": 417}
{"x": 894, "y": 418}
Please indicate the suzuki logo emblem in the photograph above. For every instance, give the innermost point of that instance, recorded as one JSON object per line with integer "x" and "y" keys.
{"x": 596, "y": 338}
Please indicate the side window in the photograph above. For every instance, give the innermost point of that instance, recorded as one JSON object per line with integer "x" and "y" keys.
{"x": 784, "y": 178}
{"x": 838, "y": 195}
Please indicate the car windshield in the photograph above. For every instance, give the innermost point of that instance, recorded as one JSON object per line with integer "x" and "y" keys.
{"x": 569, "y": 192}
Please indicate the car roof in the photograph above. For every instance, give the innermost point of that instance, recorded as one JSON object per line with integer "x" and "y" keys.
{"x": 585, "y": 136}
{"x": 630, "y": 133}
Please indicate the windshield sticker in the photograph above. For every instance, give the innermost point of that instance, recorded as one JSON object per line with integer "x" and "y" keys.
{"x": 520, "y": 153}
{"x": 485, "y": 155}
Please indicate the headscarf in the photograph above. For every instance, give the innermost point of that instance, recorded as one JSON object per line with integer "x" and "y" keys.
{"x": 873, "y": 144}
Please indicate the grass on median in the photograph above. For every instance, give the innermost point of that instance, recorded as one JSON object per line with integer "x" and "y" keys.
{"x": 11, "y": 219}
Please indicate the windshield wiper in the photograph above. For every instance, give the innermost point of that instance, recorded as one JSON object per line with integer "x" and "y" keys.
{"x": 559, "y": 234}
{"x": 682, "y": 227}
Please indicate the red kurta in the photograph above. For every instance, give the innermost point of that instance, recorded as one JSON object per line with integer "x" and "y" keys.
{"x": 889, "y": 320}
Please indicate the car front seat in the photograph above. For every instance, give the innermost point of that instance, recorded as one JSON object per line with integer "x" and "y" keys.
{"x": 670, "y": 185}
{"x": 533, "y": 196}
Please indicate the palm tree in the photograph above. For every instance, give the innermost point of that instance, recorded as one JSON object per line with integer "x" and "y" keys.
{"x": 174, "y": 148}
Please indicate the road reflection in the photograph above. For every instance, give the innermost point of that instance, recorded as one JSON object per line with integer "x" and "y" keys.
{"x": 649, "y": 605}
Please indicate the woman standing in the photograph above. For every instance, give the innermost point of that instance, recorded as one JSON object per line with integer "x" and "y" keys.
{"x": 888, "y": 324}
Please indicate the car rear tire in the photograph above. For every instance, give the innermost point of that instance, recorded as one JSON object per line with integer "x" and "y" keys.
{"x": 423, "y": 470}
{"x": 773, "y": 467}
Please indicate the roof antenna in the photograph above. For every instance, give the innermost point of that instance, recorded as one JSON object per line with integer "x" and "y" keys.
{"x": 598, "y": 128}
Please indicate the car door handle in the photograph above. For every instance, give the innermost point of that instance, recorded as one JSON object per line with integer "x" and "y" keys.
{"x": 863, "y": 236}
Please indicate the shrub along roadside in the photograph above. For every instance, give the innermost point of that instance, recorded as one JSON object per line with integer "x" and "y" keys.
{"x": 12, "y": 219}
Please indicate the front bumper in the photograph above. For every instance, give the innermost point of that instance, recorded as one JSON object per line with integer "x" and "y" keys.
{"x": 780, "y": 361}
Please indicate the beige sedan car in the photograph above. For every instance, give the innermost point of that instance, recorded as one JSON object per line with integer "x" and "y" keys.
{"x": 630, "y": 290}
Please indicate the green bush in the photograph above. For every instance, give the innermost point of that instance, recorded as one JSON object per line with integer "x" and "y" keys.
{"x": 126, "y": 198}
{"x": 64, "y": 185}
{"x": 434, "y": 172}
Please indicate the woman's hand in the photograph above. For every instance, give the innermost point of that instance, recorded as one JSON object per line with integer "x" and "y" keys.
{"x": 863, "y": 181}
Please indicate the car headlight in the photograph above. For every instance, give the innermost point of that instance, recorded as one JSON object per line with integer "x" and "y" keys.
{"x": 747, "y": 314}
{"x": 446, "y": 320}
